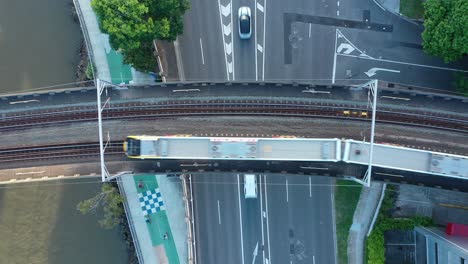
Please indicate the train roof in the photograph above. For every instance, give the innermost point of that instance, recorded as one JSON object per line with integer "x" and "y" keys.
{"x": 240, "y": 148}
{"x": 401, "y": 158}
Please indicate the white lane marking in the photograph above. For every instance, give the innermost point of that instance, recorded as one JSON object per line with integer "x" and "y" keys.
{"x": 256, "y": 59}
{"x": 316, "y": 92}
{"x": 230, "y": 68}
{"x": 392, "y": 175}
{"x": 264, "y": 33}
{"x": 260, "y": 48}
{"x": 219, "y": 214}
{"x": 240, "y": 218}
{"x": 332, "y": 206}
{"x": 186, "y": 90}
{"x": 395, "y": 98}
{"x": 338, "y": 3}
{"x": 373, "y": 71}
{"x": 267, "y": 221}
{"x": 229, "y": 48}
{"x": 287, "y": 192}
{"x": 404, "y": 63}
{"x": 24, "y": 102}
{"x": 226, "y": 10}
{"x": 201, "y": 49}
{"x": 313, "y": 259}
{"x": 30, "y": 172}
{"x": 222, "y": 38}
{"x": 334, "y": 57}
{"x": 338, "y": 12}
{"x": 310, "y": 29}
{"x": 261, "y": 217}
{"x": 259, "y": 7}
{"x": 310, "y": 187}
{"x": 233, "y": 57}
{"x": 346, "y": 48}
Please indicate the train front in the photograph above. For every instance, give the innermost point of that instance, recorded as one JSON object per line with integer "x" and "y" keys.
{"x": 132, "y": 147}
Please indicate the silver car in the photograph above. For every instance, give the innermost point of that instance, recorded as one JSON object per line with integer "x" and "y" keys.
{"x": 245, "y": 25}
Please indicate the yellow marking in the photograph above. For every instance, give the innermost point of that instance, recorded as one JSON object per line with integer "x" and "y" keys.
{"x": 364, "y": 114}
{"x": 346, "y": 112}
{"x": 454, "y": 206}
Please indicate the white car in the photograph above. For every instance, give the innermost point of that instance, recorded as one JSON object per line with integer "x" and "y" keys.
{"x": 245, "y": 24}
{"x": 250, "y": 186}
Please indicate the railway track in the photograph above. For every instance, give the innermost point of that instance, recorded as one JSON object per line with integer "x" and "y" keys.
{"x": 58, "y": 151}
{"x": 28, "y": 119}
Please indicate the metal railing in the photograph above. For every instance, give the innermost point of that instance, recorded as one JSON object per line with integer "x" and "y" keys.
{"x": 130, "y": 222}
{"x": 86, "y": 37}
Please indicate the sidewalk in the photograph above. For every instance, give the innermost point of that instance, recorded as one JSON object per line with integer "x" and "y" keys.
{"x": 158, "y": 218}
{"x": 362, "y": 219}
{"x": 109, "y": 63}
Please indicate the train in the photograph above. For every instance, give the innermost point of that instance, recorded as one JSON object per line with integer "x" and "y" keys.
{"x": 295, "y": 149}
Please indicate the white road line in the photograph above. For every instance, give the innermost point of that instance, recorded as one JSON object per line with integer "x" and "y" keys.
{"x": 186, "y": 90}
{"x": 404, "y": 63}
{"x": 256, "y": 67}
{"x": 310, "y": 29}
{"x": 240, "y": 218}
{"x": 201, "y": 49}
{"x": 334, "y": 57}
{"x": 261, "y": 218}
{"x": 267, "y": 221}
{"x": 395, "y": 98}
{"x": 219, "y": 214}
{"x": 259, "y": 47}
{"x": 313, "y": 259}
{"x": 338, "y": 3}
{"x": 338, "y": 12}
{"x": 222, "y": 38}
{"x": 316, "y": 92}
{"x": 287, "y": 192}
{"x": 24, "y": 102}
{"x": 392, "y": 175}
{"x": 264, "y": 33}
{"x": 310, "y": 187}
{"x": 30, "y": 172}
{"x": 232, "y": 41}
{"x": 332, "y": 201}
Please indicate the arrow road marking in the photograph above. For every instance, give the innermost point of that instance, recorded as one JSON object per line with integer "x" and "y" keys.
{"x": 228, "y": 48}
{"x": 227, "y": 29}
{"x": 255, "y": 253}
{"x": 226, "y": 10}
{"x": 374, "y": 71}
{"x": 345, "y": 47}
{"x": 229, "y": 64}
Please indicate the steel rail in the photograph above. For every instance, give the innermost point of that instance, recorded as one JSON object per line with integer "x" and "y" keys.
{"x": 232, "y": 107}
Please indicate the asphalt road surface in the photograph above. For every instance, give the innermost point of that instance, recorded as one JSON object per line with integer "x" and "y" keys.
{"x": 298, "y": 40}
{"x": 290, "y": 221}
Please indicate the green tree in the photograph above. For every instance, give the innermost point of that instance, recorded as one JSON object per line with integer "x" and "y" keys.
{"x": 445, "y": 34}
{"x": 461, "y": 83}
{"x": 111, "y": 201}
{"x": 141, "y": 58}
{"x": 133, "y": 24}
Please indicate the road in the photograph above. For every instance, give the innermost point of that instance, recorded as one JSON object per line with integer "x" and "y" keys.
{"x": 297, "y": 40}
{"x": 289, "y": 222}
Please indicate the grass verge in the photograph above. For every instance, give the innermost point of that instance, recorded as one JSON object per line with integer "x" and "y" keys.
{"x": 346, "y": 198}
{"x": 412, "y": 8}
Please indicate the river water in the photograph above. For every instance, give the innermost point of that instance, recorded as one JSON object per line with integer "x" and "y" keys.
{"x": 39, "y": 224}
{"x": 39, "y": 44}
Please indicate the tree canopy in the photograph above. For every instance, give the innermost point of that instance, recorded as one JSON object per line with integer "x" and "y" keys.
{"x": 111, "y": 201}
{"x": 134, "y": 24}
{"x": 446, "y": 23}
